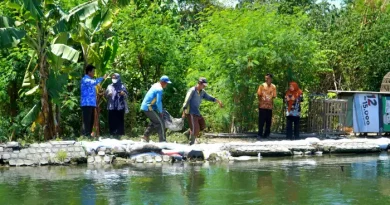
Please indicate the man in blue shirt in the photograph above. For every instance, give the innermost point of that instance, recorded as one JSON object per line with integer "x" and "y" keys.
{"x": 88, "y": 98}
{"x": 153, "y": 108}
{"x": 191, "y": 105}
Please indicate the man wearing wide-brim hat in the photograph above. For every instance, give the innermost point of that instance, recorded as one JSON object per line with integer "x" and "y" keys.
{"x": 191, "y": 105}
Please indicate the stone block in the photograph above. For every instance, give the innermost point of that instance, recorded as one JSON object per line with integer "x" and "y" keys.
{"x": 91, "y": 159}
{"x": 52, "y": 155}
{"x": 16, "y": 151}
{"x": 98, "y": 159}
{"x": 19, "y": 162}
{"x": 39, "y": 150}
{"x": 77, "y": 144}
{"x": 54, "y": 149}
{"x": 36, "y": 157}
{"x": 22, "y": 155}
{"x": 28, "y": 162}
{"x": 14, "y": 155}
{"x": 6, "y": 156}
{"x": 45, "y": 145}
{"x": 70, "y": 142}
{"x": 25, "y": 151}
{"x": 101, "y": 153}
{"x": 107, "y": 159}
{"x": 158, "y": 159}
{"x": 12, "y": 162}
{"x": 30, "y": 156}
{"x": 78, "y": 149}
{"x": 32, "y": 150}
{"x": 8, "y": 149}
{"x": 139, "y": 159}
{"x": 43, "y": 162}
{"x": 47, "y": 150}
{"x": 148, "y": 159}
{"x": 70, "y": 154}
{"x": 44, "y": 155}
{"x": 166, "y": 158}
{"x": 1, "y": 149}
{"x": 12, "y": 144}
{"x": 82, "y": 154}
{"x": 70, "y": 149}
{"x": 35, "y": 145}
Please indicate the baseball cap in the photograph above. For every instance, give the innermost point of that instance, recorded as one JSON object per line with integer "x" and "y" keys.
{"x": 165, "y": 78}
{"x": 203, "y": 81}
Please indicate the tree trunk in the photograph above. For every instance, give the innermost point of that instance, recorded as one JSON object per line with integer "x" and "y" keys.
{"x": 48, "y": 128}
{"x": 57, "y": 120}
{"x": 13, "y": 95}
{"x": 96, "y": 125}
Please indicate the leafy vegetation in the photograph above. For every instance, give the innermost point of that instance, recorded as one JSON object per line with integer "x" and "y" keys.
{"x": 46, "y": 44}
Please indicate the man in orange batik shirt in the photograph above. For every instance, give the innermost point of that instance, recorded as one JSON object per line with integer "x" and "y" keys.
{"x": 266, "y": 95}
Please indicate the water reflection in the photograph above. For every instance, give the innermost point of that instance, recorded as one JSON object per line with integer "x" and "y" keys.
{"x": 304, "y": 180}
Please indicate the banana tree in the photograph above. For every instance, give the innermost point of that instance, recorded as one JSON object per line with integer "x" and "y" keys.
{"x": 35, "y": 25}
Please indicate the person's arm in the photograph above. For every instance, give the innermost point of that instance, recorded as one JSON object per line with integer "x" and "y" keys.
{"x": 260, "y": 91}
{"x": 93, "y": 82}
{"x": 108, "y": 92}
{"x": 124, "y": 91}
{"x": 211, "y": 98}
{"x": 186, "y": 102}
{"x": 274, "y": 93}
{"x": 159, "y": 101}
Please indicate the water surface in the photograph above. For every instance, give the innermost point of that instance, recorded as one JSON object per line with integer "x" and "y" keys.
{"x": 338, "y": 179}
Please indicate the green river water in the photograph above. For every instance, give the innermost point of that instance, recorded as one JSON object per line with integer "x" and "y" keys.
{"x": 347, "y": 179}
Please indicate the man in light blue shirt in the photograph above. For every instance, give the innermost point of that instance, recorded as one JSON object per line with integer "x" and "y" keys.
{"x": 153, "y": 108}
{"x": 88, "y": 98}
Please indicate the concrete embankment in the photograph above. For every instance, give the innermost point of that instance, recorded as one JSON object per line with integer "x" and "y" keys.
{"x": 128, "y": 151}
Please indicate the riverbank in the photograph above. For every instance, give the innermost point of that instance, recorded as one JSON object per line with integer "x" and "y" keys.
{"x": 128, "y": 151}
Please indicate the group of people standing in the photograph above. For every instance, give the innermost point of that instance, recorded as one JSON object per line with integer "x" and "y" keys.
{"x": 266, "y": 94}
{"x": 116, "y": 94}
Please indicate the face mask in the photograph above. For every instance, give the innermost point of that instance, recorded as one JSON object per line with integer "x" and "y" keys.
{"x": 114, "y": 80}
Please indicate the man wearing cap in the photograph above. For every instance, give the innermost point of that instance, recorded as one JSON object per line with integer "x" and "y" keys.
{"x": 191, "y": 105}
{"x": 153, "y": 108}
{"x": 266, "y": 95}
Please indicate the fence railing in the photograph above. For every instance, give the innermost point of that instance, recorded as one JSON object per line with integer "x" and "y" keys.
{"x": 327, "y": 116}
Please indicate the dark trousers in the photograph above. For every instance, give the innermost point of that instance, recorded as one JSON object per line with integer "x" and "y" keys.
{"x": 116, "y": 122}
{"x": 289, "y": 128}
{"x": 156, "y": 124}
{"x": 88, "y": 119}
{"x": 265, "y": 117}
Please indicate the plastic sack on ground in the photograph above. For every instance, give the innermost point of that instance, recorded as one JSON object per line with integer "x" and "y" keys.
{"x": 174, "y": 124}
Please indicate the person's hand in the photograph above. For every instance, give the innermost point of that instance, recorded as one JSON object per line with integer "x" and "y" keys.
{"x": 122, "y": 93}
{"x": 220, "y": 104}
{"x": 183, "y": 115}
{"x": 105, "y": 76}
{"x": 292, "y": 98}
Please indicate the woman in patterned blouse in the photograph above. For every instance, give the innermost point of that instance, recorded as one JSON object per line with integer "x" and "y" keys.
{"x": 293, "y": 99}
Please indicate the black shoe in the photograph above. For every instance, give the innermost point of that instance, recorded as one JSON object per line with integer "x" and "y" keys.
{"x": 192, "y": 140}
{"x": 259, "y": 138}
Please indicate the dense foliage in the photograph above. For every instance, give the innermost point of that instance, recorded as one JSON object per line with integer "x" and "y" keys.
{"x": 319, "y": 45}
